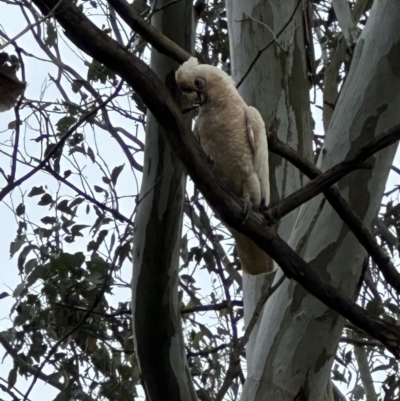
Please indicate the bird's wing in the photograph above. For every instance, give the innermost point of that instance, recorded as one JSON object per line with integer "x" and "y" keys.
{"x": 255, "y": 129}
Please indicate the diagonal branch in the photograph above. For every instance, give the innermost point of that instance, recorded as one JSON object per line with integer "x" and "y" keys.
{"x": 344, "y": 211}
{"x": 322, "y": 181}
{"x": 90, "y": 39}
{"x": 150, "y": 34}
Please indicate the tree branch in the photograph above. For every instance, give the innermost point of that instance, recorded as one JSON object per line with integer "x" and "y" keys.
{"x": 212, "y": 307}
{"x": 148, "y": 32}
{"x": 344, "y": 211}
{"x": 323, "y": 181}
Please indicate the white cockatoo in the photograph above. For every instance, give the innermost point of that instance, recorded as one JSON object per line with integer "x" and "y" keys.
{"x": 233, "y": 136}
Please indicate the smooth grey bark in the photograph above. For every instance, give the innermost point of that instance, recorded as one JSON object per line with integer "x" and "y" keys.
{"x": 157, "y": 328}
{"x": 278, "y": 87}
{"x": 346, "y": 20}
{"x": 365, "y": 373}
{"x": 298, "y": 335}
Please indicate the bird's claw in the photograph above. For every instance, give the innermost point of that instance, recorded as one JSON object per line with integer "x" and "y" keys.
{"x": 263, "y": 207}
{"x": 245, "y": 210}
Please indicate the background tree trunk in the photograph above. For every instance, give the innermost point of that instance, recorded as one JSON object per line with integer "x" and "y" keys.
{"x": 279, "y": 88}
{"x": 298, "y": 336}
{"x": 156, "y": 316}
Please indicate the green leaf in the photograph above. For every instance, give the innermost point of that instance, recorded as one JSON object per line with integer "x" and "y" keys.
{"x": 64, "y": 124}
{"x": 22, "y": 256}
{"x": 75, "y": 202}
{"x": 43, "y": 232}
{"x": 63, "y": 206}
{"x": 57, "y": 154}
{"x": 18, "y": 290}
{"x": 75, "y": 139}
{"x": 13, "y": 124}
{"x": 337, "y": 376}
{"x": 75, "y": 230}
{"x": 20, "y": 210}
{"x": 15, "y": 245}
{"x": 375, "y": 307}
{"x": 358, "y": 392}
{"x": 30, "y": 265}
{"x": 48, "y": 220}
{"x": 99, "y": 189}
{"x": 45, "y": 200}
{"x": 189, "y": 279}
{"x": 36, "y": 191}
{"x": 209, "y": 259}
{"x": 4, "y": 295}
{"x": 90, "y": 154}
{"x": 12, "y": 378}
{"x": 51, "y": 38}
{"x": 123, "y": 252}
{"x": 116, "y": 172}
{"x": 76, "y": 85}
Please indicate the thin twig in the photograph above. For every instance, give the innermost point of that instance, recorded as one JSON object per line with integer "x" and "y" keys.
{"x": 260, "y": 52}
{"x": 57, "y": 147}
{"x": 248, "y": 18}
{"x": 29, "y": 27}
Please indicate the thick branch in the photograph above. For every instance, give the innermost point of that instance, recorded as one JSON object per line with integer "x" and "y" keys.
{"x": 344, "y": 211}
{"x": 158, "y": 99}
{"x": 323, "y": 181}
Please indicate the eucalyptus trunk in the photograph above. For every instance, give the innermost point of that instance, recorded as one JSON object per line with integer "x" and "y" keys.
{"x": 278, "y": 87}
{"x": 297, "y": 337}
{"x": 157, "y": 328}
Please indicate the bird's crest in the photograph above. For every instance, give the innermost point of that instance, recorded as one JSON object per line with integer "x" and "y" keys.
{"x": 187, "y": 65}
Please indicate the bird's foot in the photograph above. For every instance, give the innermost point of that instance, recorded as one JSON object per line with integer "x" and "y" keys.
{"x": 263, "y": 207}
{"x": 246, "y": 209}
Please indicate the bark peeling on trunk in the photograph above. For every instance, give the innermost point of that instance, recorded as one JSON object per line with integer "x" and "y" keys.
{"x": 157, "y": 328}
{"x": 297, "y": 335}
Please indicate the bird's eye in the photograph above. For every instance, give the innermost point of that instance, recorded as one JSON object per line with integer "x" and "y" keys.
{"x": 200, "y": 82}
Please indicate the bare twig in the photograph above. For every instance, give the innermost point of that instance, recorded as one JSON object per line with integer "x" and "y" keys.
{"x": 260, "y": 52}
{"x": 29, "y": 27}
{"x": 57, "y": 147}
{"x": 212, "y": 307}
{"x": 207, "y": 351}
{"x": 248, "y": 18}
{"x": 114, "y": 212}
{"x": 148, "y": 32}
